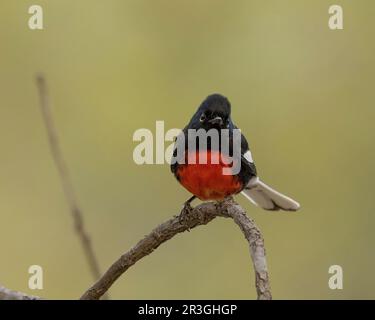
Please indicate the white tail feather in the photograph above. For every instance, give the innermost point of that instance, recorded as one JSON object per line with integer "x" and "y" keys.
{"x": 267, "y": 198}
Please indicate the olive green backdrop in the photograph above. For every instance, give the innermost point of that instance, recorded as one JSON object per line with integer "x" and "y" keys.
{"x": 302, "y": 93}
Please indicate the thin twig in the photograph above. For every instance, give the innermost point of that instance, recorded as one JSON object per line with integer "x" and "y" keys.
{"x": 200, "y": 215}
{"x": 65, "y": 178}
{"x": 7, "y": 294}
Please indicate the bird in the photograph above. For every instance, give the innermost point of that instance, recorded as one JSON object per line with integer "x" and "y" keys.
{"x": 206, "y": 179}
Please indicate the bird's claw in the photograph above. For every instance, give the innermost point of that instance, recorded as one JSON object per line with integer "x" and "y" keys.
{"x": 184, "y": 215}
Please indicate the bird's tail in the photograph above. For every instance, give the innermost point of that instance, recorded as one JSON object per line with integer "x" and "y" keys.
{"x": 267, "y": 198}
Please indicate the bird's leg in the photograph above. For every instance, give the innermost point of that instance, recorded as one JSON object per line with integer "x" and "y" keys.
{"x": 187, "y": 208}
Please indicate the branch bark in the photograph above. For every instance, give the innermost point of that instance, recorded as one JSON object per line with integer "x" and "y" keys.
{"x": 200, "y": 215}
{"x": 7, "y": 294}
{"x": 65, "y": 178}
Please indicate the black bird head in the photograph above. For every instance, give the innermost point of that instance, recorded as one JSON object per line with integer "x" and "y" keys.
{"x": 214, "y": 112}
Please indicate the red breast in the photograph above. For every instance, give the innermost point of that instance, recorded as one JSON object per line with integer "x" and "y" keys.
{"x": 206, "y": 180}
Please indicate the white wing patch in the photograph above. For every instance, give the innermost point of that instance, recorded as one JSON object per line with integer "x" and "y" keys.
{"x": 248, "y": 156}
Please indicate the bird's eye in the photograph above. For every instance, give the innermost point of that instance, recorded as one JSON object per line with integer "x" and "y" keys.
{"x": 202, "y": 118}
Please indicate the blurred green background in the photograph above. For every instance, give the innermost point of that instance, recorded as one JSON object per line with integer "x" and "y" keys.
{"x": 302, "y": 94}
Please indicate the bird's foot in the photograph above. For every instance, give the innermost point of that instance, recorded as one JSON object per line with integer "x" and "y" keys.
{"x": 184, "y": 214}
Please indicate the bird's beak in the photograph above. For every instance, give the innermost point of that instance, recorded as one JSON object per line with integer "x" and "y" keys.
{"x": 217, "y": 120}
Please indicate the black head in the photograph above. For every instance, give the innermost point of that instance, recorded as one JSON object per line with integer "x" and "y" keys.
{"x": 214, "y": 112}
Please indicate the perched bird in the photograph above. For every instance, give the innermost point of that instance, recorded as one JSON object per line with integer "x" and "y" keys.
{"x": 206, "y": 180}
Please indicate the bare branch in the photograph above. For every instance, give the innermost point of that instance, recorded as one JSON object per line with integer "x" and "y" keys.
{"x": 200, "y": 215}
{"x": 65, "y": 178}
{"x": 7, "y": 294}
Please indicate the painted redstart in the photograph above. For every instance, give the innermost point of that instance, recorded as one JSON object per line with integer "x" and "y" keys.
{"x": 206, "y": 179}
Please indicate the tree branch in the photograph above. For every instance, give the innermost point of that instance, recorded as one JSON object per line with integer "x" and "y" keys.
{"x": 65, "y": 178}
{"x": 7, "y": 294}
{"x": 200, "y": 215}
